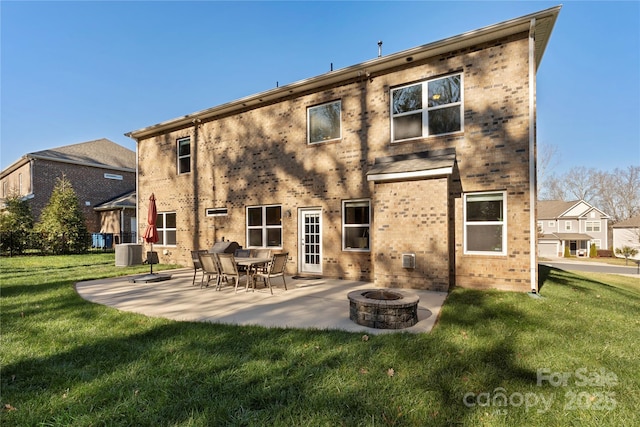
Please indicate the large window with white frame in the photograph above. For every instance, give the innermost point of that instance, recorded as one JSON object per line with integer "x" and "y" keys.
{"x": 592, "y": 226}
{"x": 184, "y": 155}
{"x": 264, "y": 226}
{"x": 485, "y": 223}
{"x": 432, "y": 107}
{"x": 356, "y": 224}
{"x": 597, "y": 242}
{"x": 324, "y": 122}
{"x": 166, "y": 225}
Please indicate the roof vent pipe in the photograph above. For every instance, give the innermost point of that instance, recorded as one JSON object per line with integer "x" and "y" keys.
{"x": 379, "y": 48}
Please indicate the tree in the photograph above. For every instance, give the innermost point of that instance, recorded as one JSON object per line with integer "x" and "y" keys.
{"x": 547, "y": 159}
{"x": 626, "y": 252}
{"x": 16, "y": 222}
{"x": 62, "y": 223}
{"x": 616, "y": 193}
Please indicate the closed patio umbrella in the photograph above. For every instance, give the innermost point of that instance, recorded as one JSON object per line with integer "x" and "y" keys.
{"x": 151, "y": 233}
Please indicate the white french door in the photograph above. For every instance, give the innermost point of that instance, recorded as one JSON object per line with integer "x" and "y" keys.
{"x": 310, "y": 232}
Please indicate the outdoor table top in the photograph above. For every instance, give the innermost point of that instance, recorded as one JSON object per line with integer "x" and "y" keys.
{"x": 251, "y": 261}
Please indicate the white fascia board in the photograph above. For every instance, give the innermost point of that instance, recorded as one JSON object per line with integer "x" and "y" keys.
{"x": 405, "y": 176}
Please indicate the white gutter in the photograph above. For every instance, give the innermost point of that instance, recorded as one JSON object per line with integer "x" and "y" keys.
{"x": 533, "y": 232}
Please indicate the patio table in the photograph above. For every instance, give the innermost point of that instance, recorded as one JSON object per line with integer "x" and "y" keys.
{"x": 252, "y": 263}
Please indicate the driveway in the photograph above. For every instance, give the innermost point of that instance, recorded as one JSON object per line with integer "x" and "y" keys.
{"x": 593, "y": 267}
{"x": 308, "y": 303}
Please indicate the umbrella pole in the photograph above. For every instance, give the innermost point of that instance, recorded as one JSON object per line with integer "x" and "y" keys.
{"x": 151, "y": 260}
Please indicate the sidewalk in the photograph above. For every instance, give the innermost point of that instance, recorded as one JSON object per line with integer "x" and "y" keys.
{"x": 308, "y": 303}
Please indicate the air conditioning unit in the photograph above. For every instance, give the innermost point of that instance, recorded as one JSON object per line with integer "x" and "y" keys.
{"x": 128, "y": 254}
{"x": 408, "y": 260}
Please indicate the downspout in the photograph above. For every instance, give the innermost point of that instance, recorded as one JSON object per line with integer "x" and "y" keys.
{"x": 533, "y": 188}
{"x": 137, "y": 182}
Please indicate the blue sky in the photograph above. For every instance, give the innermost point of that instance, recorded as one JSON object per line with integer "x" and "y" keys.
{"x": 78, "y": 71}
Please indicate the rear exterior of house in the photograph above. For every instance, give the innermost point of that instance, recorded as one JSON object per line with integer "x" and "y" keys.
{"x": 571, "y": 226}
{"x": 412, "y": 170}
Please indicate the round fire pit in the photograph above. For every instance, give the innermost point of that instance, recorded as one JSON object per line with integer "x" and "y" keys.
{"x": 383, "y": 308}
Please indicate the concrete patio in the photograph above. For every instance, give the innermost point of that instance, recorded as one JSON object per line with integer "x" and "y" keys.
{"x": 308, "y": 303}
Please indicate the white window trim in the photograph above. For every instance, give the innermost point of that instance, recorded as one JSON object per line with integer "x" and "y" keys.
{"x": 425, "y": 110}
{"x": 179, "y": 157}
{"x": 598, "y": 223}
{"x": 165, "y": 229}
{"x": 263, "y": 226}
{"x": 567, "y": 226}
{"x": 309, "y": 142}
{"x": 345, "y": 226}
{"x": 503, "y": 223}
{"x": 597, "y": 242}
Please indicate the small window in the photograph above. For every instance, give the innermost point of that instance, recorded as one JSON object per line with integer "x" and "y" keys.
{"x": 567, "y": 226}
{"x": 551, "y": 224}
{"x": 324, "y": 122}
{"x": 166, "y": 225}
{"x": 432, "y": 107}
{"x": 593, "y": 226}
{"x": 356, "y": 223}
{"x": 264, "y": 226}
{"x": 217, "y": 212}
{"x": 184, "y": 155}
{"x": 597, "y": 242}
{"x": 485, "y": 224}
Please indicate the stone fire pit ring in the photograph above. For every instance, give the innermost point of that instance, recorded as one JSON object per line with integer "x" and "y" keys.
{"x": 383, "y": 308}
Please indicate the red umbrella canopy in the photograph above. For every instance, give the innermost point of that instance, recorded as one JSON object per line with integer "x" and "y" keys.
{"x": 151, "y": 233}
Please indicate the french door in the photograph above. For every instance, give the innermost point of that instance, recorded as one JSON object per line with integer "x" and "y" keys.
{"x": 310, "y": 232}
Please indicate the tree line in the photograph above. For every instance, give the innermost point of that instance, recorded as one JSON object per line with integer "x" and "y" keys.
{"x": 616, "y": 192}
{"x": 61, "y": 227}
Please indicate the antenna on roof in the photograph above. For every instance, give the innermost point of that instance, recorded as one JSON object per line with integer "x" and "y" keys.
{"x": 379, "y": 48}
{"x": 332, "y": 66}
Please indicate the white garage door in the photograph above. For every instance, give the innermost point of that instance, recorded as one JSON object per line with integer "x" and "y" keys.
{"x": 548, "y": 249}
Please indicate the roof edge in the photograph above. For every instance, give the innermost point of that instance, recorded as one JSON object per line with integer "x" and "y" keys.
{"x": 544, "y": 19}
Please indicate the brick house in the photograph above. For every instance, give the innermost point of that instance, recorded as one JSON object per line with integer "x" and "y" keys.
{"x": 99, "y": 171}
{"x": 415, "y": 169}
{"x": 574, "y": 224}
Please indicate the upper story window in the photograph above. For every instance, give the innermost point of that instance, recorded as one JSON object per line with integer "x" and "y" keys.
{"x": 264, "y": 226}
{"x": 485, "y": 223}
{"x": 567, "y": 226}
{"x": 593, "y": 226}
{"x": 356, "y": 222}
{"x": 184, "y": 155}
{"x": 324, "y": 122}
{"x": 432, "y": 107}
{"x": 166, "y": 224}
{"x": 551, "y": 224}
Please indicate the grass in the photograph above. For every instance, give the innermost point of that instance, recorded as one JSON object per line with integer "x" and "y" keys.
{"x": 66, "y": 361}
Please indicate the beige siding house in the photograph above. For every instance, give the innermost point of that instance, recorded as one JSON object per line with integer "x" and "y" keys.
{"x": 574, "y": 225}
{"x": 412, "y": 170}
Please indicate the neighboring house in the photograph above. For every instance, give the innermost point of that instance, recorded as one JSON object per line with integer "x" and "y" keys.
{"x": 413, "y": 170}
{"x": 627, "y": 233}
{"x": 576, "y": 225}
{"x": 98, "y": 170}
{"x": 118, "y": 217}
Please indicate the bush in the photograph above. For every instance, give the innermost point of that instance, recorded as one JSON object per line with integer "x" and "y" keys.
{"x": 605, "y": 253}
{"x": 567, "y": 252}
{"x": 593, "y": 251}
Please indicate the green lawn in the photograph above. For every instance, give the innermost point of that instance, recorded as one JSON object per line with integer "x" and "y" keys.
{"x": 494, "y": 358}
